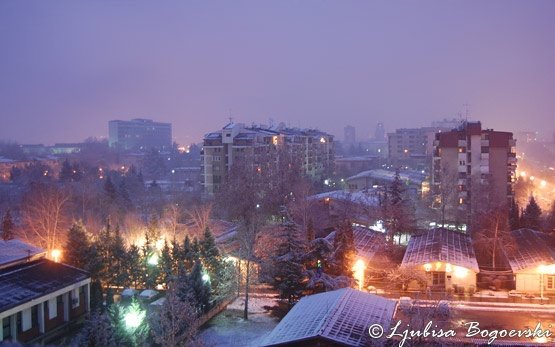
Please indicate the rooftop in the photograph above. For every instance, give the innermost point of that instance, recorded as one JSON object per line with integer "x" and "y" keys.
{"x": 441, "y": 245}
{"x": 341, "y": 316}
{"x": 532, "y": 248}
{"x": 25, "y": 282}
{"x": 410, "y": 177}
{"x": 362, "y": 198}
{"x": 367, "y": 242}
{"x": 15, "y": 251}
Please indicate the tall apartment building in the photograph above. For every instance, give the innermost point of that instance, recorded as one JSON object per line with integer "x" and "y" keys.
{"x": 139, "y": 134}
{"x": 236, "y": 142}
{"x": 349, "y": 135}
{"x": 475, "y": 164}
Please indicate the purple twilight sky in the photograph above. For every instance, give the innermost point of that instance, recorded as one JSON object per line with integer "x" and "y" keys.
{"x": 67, "y": 67}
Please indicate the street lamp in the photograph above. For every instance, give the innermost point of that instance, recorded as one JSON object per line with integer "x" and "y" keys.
{"x": 358, "y": 270}
{"x": 56, "y": 255}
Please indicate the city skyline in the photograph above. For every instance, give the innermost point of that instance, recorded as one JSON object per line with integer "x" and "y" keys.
{"x": 311, "y": 64}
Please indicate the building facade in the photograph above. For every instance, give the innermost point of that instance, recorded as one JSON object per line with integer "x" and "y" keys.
{"x": 39, "y": 297}
{"x": 472, "y": 165}
{"x": 139, "y": 134}
{"x": 349, "y": 135}
{"x": 235, "y": 142}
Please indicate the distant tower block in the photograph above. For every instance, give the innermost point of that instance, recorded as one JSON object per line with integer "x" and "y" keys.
{"x": 379, "y": 134}
{"x": 350, "y": 135}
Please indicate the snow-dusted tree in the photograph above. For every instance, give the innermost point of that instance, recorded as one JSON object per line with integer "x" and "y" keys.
{"x": 126, "y": 334}
{"x": 166, "y": 264}
{"x": 7, "y": 226}
{"x": 80, "y": 251}
{"x": 403, "y": 276}
{"x": 175, "y": 323}
{"x": 398, "y": 210}
{"x": 134, "y": 266}
{"x": 344, "y": 250}
{"x": 321, "y": 268}
{"x": 46, "y": 215}
{"x": 290, "y": 275}
{"x": 491, "y": 233}
{"x": 97, "y": 331}
{"x": 531, "y": 217}
{"x": 188, "y": 254}
{"x": 118, "y": 253}
{"x": 199, "y": 287}
{"x": 211, "y": 259}
{"x": 200, "y": 215}
{"x": 550, "y": 220}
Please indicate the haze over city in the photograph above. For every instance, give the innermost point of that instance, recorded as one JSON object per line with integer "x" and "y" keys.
{"x": 68, "y": 67}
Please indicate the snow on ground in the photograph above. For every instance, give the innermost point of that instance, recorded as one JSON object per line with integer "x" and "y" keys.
{"x": 230, "y": 329}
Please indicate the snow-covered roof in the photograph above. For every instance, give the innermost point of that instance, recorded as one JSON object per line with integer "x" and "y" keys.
{"x": 342, "y": 316}
{"x": 531, "y": 249}
{"x": 129, "y": 292}
{"x": 148, "y": 293}
{"x": 408, "y": 176}
{"x": 441, "y": 245}
{"x": 14, "y": 251}
{"x": 159, "y": 302}
{"x": 368, "y": 242}
{"x": 362, "y": 198}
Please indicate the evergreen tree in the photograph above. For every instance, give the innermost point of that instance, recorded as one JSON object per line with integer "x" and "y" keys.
{"x": 345, "y": 251}
{"x": 290, "y": 276}
{"x": 188, "y": 254}
{"x": 199, "y": 288}
{"x": 77, "y": 247}
{"x": 166, "y": 264}
{"x": 110, "y": 189}
{"x": 531, "y": 217}
{"x": 118, "y": 254}
{"x": 133, "y": 266}
{"x": 97, "y": 299}
{"x": 66, "y": 172}
{"x": 211, "y": 258}
{"x": 514, "y": 216}
{"x": 550, "y": 220}
{"x": 176, "y": 255}
{"x": 310, "y": 234}
{"x": 7, "y": 226}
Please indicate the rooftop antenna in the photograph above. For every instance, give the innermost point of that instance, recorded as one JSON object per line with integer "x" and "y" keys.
{"x": 466, "y": 111}
{"x": 230, "y": 116}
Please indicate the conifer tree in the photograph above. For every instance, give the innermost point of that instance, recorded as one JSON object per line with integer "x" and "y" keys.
{"x": 290, "y": 276}
{"x": 7, "y": 226}
{"x": 514, "y": 216}
{"x": 133, "y": 266}
{"x": 118, "y": 254}
{"x": 345, "y": 251}
{"x": 531, "y": 217}
{"x": 211, "y": 258}
{"x": 200, "y": 288}
{"x": 166, "y": 264}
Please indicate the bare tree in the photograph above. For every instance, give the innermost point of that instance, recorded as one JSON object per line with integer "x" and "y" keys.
{"x": 45, "y": 215}
{"x": 176, "y": 323}
{"x": 200, "y": 215}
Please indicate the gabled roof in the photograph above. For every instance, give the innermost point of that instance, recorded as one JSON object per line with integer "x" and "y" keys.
{"x": 369, "y": 198}
{"x": 441, "y": 245}
{"x": 368, "y": 242}
{"x": 342, "y": 316}
{"x": 15, "y": 251}
{"x": 25, "y": 282}
{"x": 531, "y": 249}
{"x": 407, "y": 176}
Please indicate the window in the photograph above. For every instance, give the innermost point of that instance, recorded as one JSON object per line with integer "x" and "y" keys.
{"x": 52, "y": 308}
{"x": 438, "y": 278}
{"x": 550, "y": 282}
{"x": 26, "y": 319}
{"x": 7, "y": 328}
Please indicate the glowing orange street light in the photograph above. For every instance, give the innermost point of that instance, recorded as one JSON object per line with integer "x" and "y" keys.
{"x": 56, "y": 255}
{"x": 358, "y": 270}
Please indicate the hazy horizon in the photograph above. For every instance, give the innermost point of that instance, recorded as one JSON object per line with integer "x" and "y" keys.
{"x": 69, "y": 67}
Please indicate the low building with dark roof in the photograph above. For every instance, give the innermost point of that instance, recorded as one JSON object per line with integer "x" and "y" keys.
{"x": 38, "y": 296}
{"x": 337, "y": 318}
{"x": 531, "y": 256}
{"x": 446, "y": 257}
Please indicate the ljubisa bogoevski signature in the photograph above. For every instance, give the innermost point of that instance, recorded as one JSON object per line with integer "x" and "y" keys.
{"x": 473, "y": 330}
